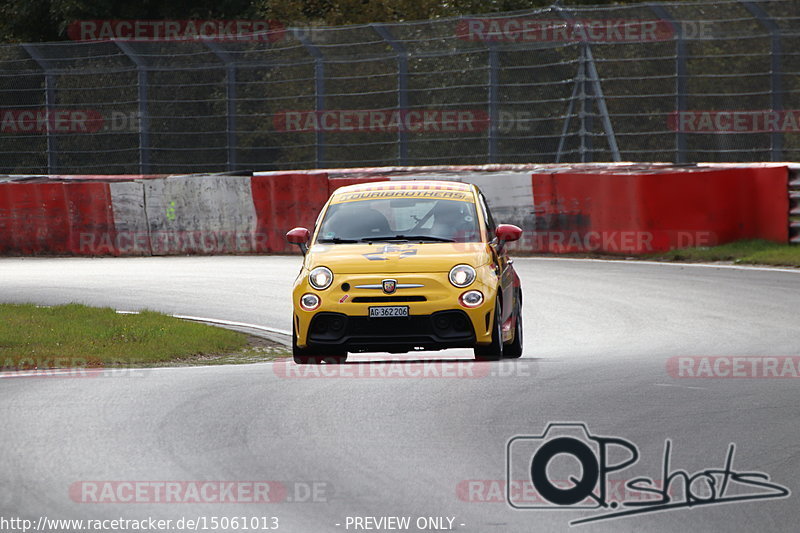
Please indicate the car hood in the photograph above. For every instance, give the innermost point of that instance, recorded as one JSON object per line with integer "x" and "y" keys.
{"x": 382, "y": 257}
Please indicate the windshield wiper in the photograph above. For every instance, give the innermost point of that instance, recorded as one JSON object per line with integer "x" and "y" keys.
{"x": 337, "y": 240}
{"x": 407, "y": 238}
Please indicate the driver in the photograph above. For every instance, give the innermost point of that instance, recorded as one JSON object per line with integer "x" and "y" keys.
{"x": 448, "y": 221}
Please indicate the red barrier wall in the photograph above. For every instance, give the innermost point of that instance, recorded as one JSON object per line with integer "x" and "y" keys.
{"x": 613, "y": 209}
{"x": 284, "y": 201}
{"x": 639, "y": 213}
{"x": 40, "y": 218}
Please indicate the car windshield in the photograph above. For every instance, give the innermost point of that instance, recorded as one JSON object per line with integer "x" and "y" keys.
{"x": 399, "y": 219}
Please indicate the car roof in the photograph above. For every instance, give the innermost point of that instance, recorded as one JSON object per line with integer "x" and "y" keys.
{"x": 405, "y": 185}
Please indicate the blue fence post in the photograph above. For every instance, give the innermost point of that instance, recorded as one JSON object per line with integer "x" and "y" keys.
{"x": 49, "y": 104}
{"x": 776, "y": 73}
{"x": 230, "y": 99}
{"x": 144, "y": 121}
{"x": 319, "y": 90}
{"x": 402, "y": 86}
{"x": 681, "y": 79}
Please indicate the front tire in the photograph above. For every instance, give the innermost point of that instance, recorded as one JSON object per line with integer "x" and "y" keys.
{"x": 494, "y": 351}
{"x": 315, "y": 356}
{"x": 514, "y": 350}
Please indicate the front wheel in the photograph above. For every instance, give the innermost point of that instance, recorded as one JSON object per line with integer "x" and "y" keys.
{"x": 514, "y": 350}
{"x": 494, "y": 351}
{"x": 315, "y": 356}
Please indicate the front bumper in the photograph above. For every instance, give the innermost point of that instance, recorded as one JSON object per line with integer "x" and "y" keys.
{"x": 443, "y": 329}
{"x": 436, "y": 319}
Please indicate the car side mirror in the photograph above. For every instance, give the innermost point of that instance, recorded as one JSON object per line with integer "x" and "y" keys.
{"x": 300, "y": 237}
{"x": 507, "y": 233}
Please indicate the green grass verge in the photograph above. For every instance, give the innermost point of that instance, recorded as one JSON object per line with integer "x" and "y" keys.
{"x": 79, "y": 336}
{"x": 758, "y": 252}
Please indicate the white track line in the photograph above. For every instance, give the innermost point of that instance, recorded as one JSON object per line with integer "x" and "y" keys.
{"x": 221, "y": 322}
{"x": 665, "y": 263}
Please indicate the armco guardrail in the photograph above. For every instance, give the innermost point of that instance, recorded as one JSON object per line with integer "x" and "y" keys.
{"x": 612, "y": 208}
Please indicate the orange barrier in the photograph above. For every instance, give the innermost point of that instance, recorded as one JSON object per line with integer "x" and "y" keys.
{"x": 639, "y": 213}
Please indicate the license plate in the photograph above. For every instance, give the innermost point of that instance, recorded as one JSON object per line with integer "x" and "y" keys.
{"x": 388, "y": 311}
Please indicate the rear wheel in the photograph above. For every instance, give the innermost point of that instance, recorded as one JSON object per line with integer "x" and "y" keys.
{"x": 316, "y": 356}
{"x": 514, "y": 350}
{"x": 494, "y": 351}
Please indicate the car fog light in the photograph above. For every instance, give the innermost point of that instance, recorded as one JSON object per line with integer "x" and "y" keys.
{"x": 309, "y": 301}
{"x": 471, "y": 299}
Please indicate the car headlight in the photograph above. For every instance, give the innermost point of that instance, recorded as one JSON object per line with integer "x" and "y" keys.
{"x": 462, "y": 275}
{"x": 320, "y": 278}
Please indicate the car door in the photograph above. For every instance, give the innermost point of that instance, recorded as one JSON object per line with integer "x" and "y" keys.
{"x": 501, "y": 259}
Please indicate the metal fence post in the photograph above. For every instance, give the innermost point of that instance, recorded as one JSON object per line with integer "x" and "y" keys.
{"x": 319, "y": 90}
{"x": 585, "y": 148}
{"x": 605, "y": 117}
{"x": 570, "y": 109}
{"x": 493, "y": 97}
{"x": 597, "y": 90}
{"x": 402, "y": 86}
{"x": 49, "y": 104}
{"x": 776, "y": 73}
{"x": 230, "y": 99}
{"x": 144, "y": 122}
{"x": 681, "y": 78}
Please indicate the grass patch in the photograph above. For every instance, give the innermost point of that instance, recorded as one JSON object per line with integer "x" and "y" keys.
{"x": 758, "y": 252}
{"x": 79, "y": 336}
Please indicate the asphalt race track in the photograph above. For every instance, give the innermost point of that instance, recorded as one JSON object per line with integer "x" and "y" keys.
{"x": 599, "y": 336}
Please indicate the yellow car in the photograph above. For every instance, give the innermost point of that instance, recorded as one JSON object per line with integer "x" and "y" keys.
{"x": 398, "y": 266}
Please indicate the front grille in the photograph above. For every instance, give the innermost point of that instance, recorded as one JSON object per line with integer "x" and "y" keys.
{"x": 387, "y": 299}
{"x": 441, "y": 329}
